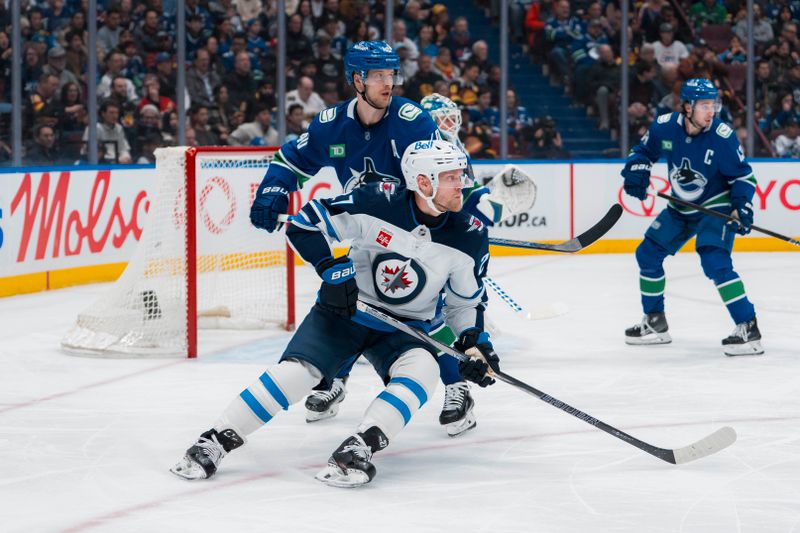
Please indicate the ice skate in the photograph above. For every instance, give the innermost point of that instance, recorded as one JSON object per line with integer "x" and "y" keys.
{"x": 203, "y": 457}
{"x": 349, "y": 466}
{"x": 745, "y": 340}
{"x": 457, "y": 416}
{"x": 653, "y": 329}
{"x": 322, "y": 404}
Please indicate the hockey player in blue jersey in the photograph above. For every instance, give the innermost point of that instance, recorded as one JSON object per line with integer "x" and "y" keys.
{"x": 706, "y": 166}
{"x": 409, "y": 245}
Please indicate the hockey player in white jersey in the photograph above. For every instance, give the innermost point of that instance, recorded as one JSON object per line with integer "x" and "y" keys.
{"x": 408, "y": 246}
{"x": 706, "y": 166}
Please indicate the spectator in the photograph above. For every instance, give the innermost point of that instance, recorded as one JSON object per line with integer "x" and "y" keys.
{"x": 146, "y": 34}
{"x": 672, "y": 101}
{"x": 560, "y": 31}
{"x": 736, "y": 52}
{"x": 584, "y": 55}
{"x": 787, "y": 142}
{"x": 255, "y": 44}
{"x": 545, "y": 142}
{"x": 108, "y": 35}
{"x": 681, "y": 31}
{"x": 115, "y": 62}
{"x": 441, "y": 22}
{"x": 639, "y": 121}
{"x": 480, "y": 57}
{"x": 786, "y": 113}
{"x": 517, "y": 116}
{"x": 199, "y": 123}
{"x": 476, "y": 137}
{"x": 196, "y": 35}
{"x": 294, "y": 122}
{"x": 57, "y": 16}
{"x": 413, "y": 17}
{"x": 444, "y": 65}
{"x": 201, "y": 80}
{"x": 241, "y": 84}
{"x": 305, "y": 96}
{"x": 71, "y": 109}
{"x": 329, "y": 94}
{"x": 44, "y": 150}
{"x": 153, "y": 96}
{"x": 56, "y": 65}
{"x": 399, "y": 37}
{"x": 603, "y": 81}
{"x": 148, "y": 146}
{"x": 782, "y": 60}
{"x": 307, "y": 28}
{"x": 460, "y": 41}
{"x": 408, "y": 66}
{"x": 425, "y": 41}
{"x": 167, "y": 77}
{"x": 669, "y": 52}
{"x": 329, "y": 67}
{"x": 110, "y": 135}
{"x": 765, "y": 86}
{"x": 149, "y": 123}
{"x": 650, "y": 18}
{"x": 707, "y": 12}
{"x": 421, "y": 84}
{"x": 216, "y": 64}
{"x": 642, "y": 89}
{"x": 127, "y": 108}
{"x": 76, "y": 57}
{"x": 221, "y": 113}
{"x": 330, "y": 29}
{"x": 31, "y": 68}
{"x": 298, "y": 46}
{"x": 259, "y": 132}
{"x": 134, "y": 68}
{"x": 42, "y": 105}
{"x": 534, "y": 26}
{"x": 465, "y": 89}
{"x": 481, "y": 112}
{"x": 762, "y": 29}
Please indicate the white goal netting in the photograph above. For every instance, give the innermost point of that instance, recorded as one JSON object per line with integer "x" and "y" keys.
{"x": 241, "y": 272}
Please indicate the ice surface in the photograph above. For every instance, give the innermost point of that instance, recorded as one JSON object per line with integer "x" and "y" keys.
{"x": 86, "y": 443}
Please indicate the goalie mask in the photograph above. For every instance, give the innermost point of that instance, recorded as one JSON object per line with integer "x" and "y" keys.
{"x": 430, "y": 159}
{"x": 444, "y": 112}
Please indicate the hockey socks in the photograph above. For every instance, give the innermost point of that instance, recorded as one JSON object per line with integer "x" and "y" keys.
{"x": 735, "y": 299}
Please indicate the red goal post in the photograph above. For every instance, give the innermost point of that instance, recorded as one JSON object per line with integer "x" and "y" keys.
{"x": 199, "y": 263}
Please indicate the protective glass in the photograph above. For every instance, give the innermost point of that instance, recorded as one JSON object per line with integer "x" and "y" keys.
{"x": 381, "y": 79}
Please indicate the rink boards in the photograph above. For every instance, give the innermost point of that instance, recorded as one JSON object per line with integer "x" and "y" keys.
{"x": 61, "y": 226}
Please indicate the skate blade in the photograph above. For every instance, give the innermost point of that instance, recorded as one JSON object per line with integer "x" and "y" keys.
{"x": 316, "y": 416}
{"x": 454, "y": 429}
{"x": 660, "y": 338}
{"x": 334, "y": 476}
{"x": 748, "y": 348}
{"x": 186, "y": 468}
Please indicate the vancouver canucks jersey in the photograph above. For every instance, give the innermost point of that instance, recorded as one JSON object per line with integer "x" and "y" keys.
{"x": 401, "y": 265}
{"x": 707, "y": 169}
{"x": 337, "y": 138}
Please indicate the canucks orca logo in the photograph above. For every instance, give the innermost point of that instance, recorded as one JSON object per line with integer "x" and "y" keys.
{"x": 397, "y": 279}
{"x": 368, "y": 175}
{"x": 687, "y": 182}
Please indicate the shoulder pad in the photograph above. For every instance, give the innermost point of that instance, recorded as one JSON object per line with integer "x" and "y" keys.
{"x": 724, "y": 131}
{"x": 663, "y": 119}
{"x": 409, "y": 111}
{"x": 327, "y": 115}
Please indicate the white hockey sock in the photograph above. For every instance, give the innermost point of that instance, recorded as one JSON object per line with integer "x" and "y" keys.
{"x": 277, "y": 388}
{"x": 413, "y": 380}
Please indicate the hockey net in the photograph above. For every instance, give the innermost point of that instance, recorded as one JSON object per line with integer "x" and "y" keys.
{"x": 199, "y": 262}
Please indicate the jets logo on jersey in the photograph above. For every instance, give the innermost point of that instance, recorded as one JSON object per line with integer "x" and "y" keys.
{"x": 687, "y": 182}
{"x": 369, "y": 174}
{"x": 397, "y": 279}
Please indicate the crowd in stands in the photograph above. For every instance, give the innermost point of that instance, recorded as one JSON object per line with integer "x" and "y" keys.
{"x": 578, "y": 43}
{"x": 231, "y": 76}
{"x": 232, "y": 69}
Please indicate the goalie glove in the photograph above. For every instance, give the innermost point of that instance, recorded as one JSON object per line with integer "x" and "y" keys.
{"x": 339, "y": 291}
{"x": 743, "y": 213}
{"x": 483, "y": 359}
{"x": 637, "y": 176}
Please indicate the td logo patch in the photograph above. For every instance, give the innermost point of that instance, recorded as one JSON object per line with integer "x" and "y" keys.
{"x": 397, "y": 279}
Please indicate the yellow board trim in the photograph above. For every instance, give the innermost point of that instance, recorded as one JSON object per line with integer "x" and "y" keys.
{"x": 57, "y": 279}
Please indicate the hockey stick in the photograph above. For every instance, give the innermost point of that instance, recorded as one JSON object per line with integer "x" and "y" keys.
{"x": 727, "y": 217}
{"x": 541, "y": 313}
{"x": 719, "y": 440}
{"x": 573, "y": 245}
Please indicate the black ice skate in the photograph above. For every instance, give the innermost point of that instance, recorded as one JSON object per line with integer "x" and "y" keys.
{"x": 350, "y": 464}
{"x": 745, "y": 340}
{"x": 653, "y": 329}
{"x": 322, "y": 404}
{"x": 203, "y": 457}
{"x": 457, "y": 416}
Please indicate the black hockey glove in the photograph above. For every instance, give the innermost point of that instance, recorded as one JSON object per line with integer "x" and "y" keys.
{"x": 477, "y": 345}
{"x": 637, "y": 176}
{"x": 339, "y": 291}
{"x": 269, "y": 203}
{"x": 743, "y": 213}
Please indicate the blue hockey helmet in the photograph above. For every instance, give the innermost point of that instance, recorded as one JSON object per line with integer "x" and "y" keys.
{"x": 699, "y": 89}
{"x": 370, "y": 55}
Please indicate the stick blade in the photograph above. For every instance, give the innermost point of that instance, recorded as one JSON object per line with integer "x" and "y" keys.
{"x": 601, "y": 228}
{"x": 717, "y": 441}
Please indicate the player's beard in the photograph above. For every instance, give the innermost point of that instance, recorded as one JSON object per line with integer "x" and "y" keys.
{"x": 378, "y": 100}
{"x": 446, "y": 201}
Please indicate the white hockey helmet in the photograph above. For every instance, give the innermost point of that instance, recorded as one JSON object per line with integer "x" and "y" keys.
{"x": 444, "y": 112}
{"x": 431, "y": 158}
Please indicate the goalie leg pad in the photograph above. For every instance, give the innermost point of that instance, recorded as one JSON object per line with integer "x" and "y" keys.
{"x": 412, "y": 380}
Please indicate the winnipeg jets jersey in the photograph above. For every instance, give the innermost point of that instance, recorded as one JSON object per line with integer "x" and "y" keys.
{"x": 336, "y": 137}
{"x": 401, "y": 265}
{"x": 707, "y": 169}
